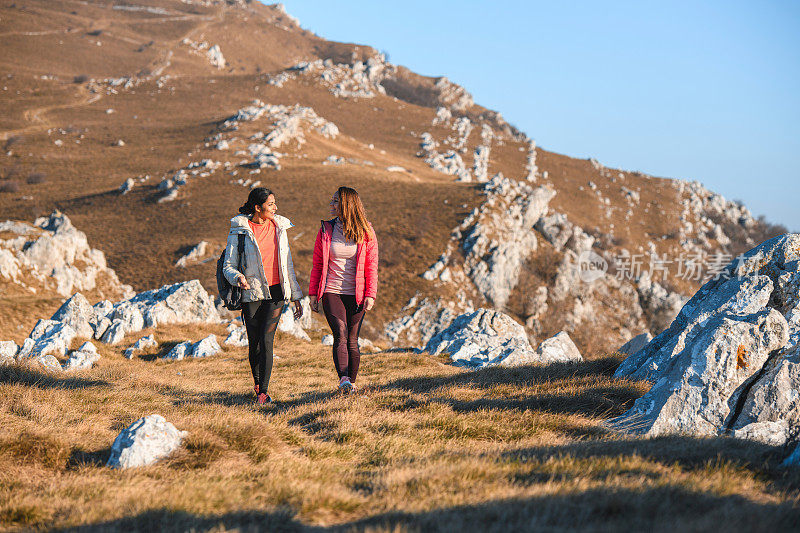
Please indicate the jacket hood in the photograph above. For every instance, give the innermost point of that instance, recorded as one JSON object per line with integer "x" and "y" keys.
{"x": 240, "y": 222}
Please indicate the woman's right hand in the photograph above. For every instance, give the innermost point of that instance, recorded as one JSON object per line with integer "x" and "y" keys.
{"x": 242, "y": 282}
{"x": 315, "y": 305}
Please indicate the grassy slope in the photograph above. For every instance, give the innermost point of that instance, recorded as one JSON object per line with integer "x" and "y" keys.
{"x": 424, "y": 445}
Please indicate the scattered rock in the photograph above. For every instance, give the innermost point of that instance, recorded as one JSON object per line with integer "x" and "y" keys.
{"x": 178, "y": 352}
{"x": 558, "y": 349}
{"x": 49, "y": 363}
{"x": 195, "y": 255}
{"x": 205, "y": 347}
{"x": 142, "y": 344}
{"x": 8, "y": 352}
{"x": 126, "y": 187}
{"x": 144, "y": 442}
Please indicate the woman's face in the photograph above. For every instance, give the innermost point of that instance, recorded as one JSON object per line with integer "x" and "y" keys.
{"x": 267, "y": 209}
{"x": 335, "y": 205}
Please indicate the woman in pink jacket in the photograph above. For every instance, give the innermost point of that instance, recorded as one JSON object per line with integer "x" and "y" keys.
{"x": 344, "y": 276}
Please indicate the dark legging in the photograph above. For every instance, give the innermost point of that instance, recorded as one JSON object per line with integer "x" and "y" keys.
{"x": 261, "y": 320}
{"x": 344, "y": 317}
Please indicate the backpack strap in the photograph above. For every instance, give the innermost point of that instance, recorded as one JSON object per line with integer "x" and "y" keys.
{"x": 241, "y": 251}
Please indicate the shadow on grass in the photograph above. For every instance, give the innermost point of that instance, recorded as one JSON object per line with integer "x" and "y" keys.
{"x": 82, "y": 458}
{"x": 24, "y": 375}
{"x": 663, "y": 508}
{"x": 600, "y": 396}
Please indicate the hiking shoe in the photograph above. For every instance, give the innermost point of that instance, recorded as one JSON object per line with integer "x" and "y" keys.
{"x": 344, "y": 385}
{"x": 263, "y": 398}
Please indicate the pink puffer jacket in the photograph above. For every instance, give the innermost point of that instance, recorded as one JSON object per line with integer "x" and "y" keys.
{"x": 366, "y": 264}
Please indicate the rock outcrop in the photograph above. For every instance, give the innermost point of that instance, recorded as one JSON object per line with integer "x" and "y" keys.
{"x": 144, "y": 442}
{"x": 53, "y": 255}
{"x": 730, "y": 361}
{"x": 488, "y": 337}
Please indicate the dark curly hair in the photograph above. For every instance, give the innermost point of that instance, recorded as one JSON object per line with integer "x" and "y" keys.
{"x": 256, "y": 197}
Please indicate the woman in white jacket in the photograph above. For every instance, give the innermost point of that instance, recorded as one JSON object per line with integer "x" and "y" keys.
{"x": 266, "y": 277}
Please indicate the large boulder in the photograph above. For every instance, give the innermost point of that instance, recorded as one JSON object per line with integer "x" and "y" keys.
{"x": 180, "y": 303}
{"x": 79, "y": 314}
{"x": 730, "y": 361}
{"x": 485, "y": 337}
{"x": 144, "y": 442}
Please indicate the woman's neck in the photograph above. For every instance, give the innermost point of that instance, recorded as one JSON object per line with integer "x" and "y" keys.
{"x": 256, "y": 219}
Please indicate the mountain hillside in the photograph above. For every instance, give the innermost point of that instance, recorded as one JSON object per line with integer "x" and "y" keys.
{"x": 147, "y": 123}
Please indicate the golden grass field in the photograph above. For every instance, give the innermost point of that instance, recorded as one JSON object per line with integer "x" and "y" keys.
{"x": 422, "y": 446}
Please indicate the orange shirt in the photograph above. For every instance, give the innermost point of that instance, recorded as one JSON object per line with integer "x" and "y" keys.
{"x": 266, "y": 239}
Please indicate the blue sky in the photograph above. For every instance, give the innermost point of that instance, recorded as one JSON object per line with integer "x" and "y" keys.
{"x": 692, "y": 90}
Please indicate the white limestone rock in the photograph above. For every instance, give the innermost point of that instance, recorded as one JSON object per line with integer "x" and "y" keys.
{"x": 57, "y": 256}
{"x": 500, "y": 237}
{"x": 81, "y": 360}
{"x": 194, "y": 256}
{"x": 127, "y": 186}
{"x": 140, "y": 345}
{"x": 144, "y": 442}
{"x": 205, "y": 347}
{"x": 730, "y": 358}
{"x": 558, "y": 349}
{"x": 114, "y": 333}
{"x": 47, "y": 337}
{"x": 180, "y": 303}
{"x": 237, "y": 337}
{"x": 771, "y": 433}
{"x": 288, "y": 324}
{"x": 8, "y": 351}
{"x": 697, "y": 389}
{"x": 78, "y": 313}
{"x": 49, "y": 363}
{"x": 483, "y": 337}
{"x": 215, "y": 57}
{"x": 179, "y": 351}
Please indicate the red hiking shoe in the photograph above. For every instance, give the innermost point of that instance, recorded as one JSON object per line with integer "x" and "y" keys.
{"x": 263, "y": 398}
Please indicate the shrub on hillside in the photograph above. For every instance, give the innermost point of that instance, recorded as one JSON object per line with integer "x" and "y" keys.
{"x": 82, "y": 78}
{"x": 35, "y": 178}
{"x": 11, "y": 141}
{"x": 9, "y": 186}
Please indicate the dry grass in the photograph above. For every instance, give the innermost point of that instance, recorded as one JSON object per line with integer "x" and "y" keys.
{"x": 423, "y": 446}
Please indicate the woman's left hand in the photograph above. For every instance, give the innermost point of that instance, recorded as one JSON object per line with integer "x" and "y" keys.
{"x": 369, "y": 303}
{"x": 298, "y": 310}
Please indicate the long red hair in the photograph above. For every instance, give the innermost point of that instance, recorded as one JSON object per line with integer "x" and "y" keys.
{"x": 351, "y": 213}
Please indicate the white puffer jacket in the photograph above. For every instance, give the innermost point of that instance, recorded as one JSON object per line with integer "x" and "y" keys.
{"x": 254, "y": 267}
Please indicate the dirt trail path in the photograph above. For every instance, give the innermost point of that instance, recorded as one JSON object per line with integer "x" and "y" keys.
{"x": 34, "y": 116}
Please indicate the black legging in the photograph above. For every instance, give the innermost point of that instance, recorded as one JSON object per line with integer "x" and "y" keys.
{"x": 261, "y": 320}
{"x": 344, "y": 317}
